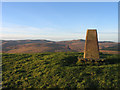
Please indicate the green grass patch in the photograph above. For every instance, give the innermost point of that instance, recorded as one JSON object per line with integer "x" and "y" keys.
{"x": 58, "y": 70}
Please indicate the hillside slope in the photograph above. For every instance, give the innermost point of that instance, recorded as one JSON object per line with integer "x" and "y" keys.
{"x": 58, "y": 70}
{"x": 39, "y": 46}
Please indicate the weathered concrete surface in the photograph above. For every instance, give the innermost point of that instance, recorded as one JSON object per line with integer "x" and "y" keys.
{"x": 91, "y": 49}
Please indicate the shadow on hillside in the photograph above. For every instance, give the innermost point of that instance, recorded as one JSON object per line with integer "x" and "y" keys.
{"x": 104, "y": 55}
{"x": 68, "y": 61}
{"x": 112, "y": 60}
{"x": 107, "y": 59}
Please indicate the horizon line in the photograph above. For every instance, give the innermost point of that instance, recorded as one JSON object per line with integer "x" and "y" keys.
{"x": 55, "y": 40}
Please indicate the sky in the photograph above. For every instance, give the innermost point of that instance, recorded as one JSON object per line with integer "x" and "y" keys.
{"x": 59, "y": 21}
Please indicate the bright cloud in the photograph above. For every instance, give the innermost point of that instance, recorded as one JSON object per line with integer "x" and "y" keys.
{"x": 108, "y": 37}
{"x": 48, "y": 37}
{"x": 26, "y": 32}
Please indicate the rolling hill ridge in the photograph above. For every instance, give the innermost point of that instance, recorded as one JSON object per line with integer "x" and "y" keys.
{"x": 40, "y": 46}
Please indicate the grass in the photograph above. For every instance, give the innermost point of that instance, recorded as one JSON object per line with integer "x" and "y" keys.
{"x": 58, "y": 70}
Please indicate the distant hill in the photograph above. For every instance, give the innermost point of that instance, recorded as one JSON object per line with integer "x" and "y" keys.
{"x": 106, "y": 42}
{"x": 39, "y": 46}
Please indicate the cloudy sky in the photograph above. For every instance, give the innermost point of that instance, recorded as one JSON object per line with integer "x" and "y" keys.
{"x": 59, "y": 21}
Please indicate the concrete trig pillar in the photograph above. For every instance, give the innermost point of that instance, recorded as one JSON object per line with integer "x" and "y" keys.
{"x": 91, "y": 49}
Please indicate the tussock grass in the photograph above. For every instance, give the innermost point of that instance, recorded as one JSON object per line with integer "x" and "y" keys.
{"x": 58, "y": 70}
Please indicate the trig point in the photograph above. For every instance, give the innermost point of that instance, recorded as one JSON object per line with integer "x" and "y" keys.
{"x": 91, "y": 49}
